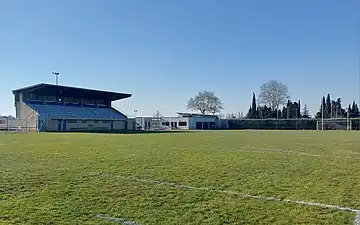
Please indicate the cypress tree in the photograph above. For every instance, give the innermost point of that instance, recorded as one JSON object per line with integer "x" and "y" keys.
{"x": 322, "y": 108}
{"x": 356, "y": 111}
{"x": 253, "y": 108}
{"x": 327, "y": 107}
{"x": 288, "y": 109}
{"x": 284, "y": 113}
{"x": 248, "y": 115}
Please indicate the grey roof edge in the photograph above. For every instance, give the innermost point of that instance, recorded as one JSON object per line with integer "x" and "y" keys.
{"x": 40, "y": 85}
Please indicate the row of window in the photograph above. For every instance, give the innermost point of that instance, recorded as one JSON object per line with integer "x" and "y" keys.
{"x": 2, "y": 121}
{"x": 181, "y": 124}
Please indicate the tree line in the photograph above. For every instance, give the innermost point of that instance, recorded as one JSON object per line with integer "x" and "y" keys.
{"x": 274, "y": 103}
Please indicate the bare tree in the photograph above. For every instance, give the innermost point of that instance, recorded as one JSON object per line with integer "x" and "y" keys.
{"x": 273, "y": 94}
{"x": 305, "y": 113}
{"x": 156, "y": 122}
{"x": 205, "y": 102}
{"x": 157, "y": 114}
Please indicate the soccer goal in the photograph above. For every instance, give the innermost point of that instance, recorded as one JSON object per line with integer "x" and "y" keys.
{"x": 333, "y": 124}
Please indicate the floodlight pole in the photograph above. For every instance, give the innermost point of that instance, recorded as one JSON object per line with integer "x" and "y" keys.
{"x": 358, "y": 61}
{"x": 56, "y": 74}
{"x": 135, "y": 111}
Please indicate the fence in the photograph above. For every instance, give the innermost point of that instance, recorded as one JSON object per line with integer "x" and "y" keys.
{"x": 283, "y": 124}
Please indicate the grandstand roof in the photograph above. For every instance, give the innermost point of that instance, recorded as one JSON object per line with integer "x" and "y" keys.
{"x": 66, "y": 91}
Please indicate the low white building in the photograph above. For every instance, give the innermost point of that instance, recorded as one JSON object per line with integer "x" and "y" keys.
{"x": 184, "y": 121}
{"x": 10, "y": 123}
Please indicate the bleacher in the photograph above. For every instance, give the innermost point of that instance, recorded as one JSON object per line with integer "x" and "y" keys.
{"x": 71, "y": 112}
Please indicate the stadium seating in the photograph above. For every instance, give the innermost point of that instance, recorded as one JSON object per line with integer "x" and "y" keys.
{"x": 63, "y": 111}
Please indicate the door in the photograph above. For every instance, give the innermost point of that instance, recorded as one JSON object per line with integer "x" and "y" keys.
{"x": 59, "y": 125}
{"x": 64, "y": 125}
{"x": 205, "y": 125}
{"x": 199, "y": 126}
{"x": 112, "y": 125}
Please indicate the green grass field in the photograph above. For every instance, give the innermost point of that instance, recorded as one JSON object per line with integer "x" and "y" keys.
{"x": 70, "y": 178}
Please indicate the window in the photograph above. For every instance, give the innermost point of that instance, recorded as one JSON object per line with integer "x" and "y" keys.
{"x": 71, "y": 121}
{"x": 2, "y": 121}
{"x": 106, "y": 121}
{"x": 182, "y": 124}
{"x": 166, "y": 124}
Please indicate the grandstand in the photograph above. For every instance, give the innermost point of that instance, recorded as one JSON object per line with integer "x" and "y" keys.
{"x": 47, "y": 107}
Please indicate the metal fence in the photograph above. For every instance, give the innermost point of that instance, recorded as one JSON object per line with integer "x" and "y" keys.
{"x": 287, "y": 124}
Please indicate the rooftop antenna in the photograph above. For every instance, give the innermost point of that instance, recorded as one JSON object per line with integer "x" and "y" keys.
{"x": 56, "y": 74}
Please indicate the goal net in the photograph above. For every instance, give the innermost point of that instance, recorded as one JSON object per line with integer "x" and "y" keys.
{"x": 333, "y": 124}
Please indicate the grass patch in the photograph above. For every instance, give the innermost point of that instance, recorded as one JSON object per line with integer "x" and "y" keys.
{"x": 70, "y": 178}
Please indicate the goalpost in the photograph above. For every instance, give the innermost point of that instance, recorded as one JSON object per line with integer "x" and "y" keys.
{"x": 333, "y": 124}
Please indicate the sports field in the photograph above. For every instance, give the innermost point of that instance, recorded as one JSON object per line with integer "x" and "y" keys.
{"x": 212, "y": 177}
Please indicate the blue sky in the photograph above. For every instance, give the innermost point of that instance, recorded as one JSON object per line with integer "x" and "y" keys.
{"x": 165, "y": 51}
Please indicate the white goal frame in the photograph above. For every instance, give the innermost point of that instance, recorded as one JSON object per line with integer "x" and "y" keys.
{"x": 334, "y": 124}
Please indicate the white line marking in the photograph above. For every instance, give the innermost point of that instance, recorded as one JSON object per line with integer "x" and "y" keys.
{"x": 282, "y": 151}
{"x": 341, "y": 208}
{"x": 242, "y": 195}
{"x": 118, "y": 220}
{"x": 357, "y": 218}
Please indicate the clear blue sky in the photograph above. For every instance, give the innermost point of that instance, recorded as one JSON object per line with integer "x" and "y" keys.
{"x": 165, "y": 51}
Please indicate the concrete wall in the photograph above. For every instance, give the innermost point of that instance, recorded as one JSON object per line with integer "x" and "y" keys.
{"x": 87, "y": 125}
{"x": 14, "y": 124}
{"x": 27, "y": 114}
{"x": 131, "y": 124}
{"x": 119, "y": 125}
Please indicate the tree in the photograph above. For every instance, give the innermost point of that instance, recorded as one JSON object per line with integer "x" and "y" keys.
{"x": 322, "y": 109}
{"x": 298, "y": 113}
{"x": 157, "y": 114}
{"x": 340, "y": 112}
{"x": 273, "y": 94}
{"x": 305, "y": 113}
{"x": 327, "y": 108}
{"x": 248, "y": 114}
{"x": 156, "y": 122}
{"x": 253, "y": 114}
{"x": 284, "y": 114}
{"x": 205, "y": 102}
{"x": 253, "y": 108}
{"x": 355, "y": 110}
{"x": 334, "y": 111}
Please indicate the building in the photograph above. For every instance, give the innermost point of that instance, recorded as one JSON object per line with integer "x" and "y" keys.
{"x": 10, "y": 123}
{"x": 47, "y": 107}
{"x": 184, "y": 121}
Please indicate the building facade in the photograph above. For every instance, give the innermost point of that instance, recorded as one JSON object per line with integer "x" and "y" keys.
{"x": 184, "y": 121}
{"x": 46, "y": 107}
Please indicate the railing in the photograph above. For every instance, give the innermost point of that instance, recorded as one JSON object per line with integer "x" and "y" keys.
{"x": 282, "y": 124}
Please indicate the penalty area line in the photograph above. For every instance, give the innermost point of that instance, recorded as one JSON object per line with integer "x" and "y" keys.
{"x": 357, "y": 218}
{"x": 114, "y": 219}
{"x": 243, "y": 195}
